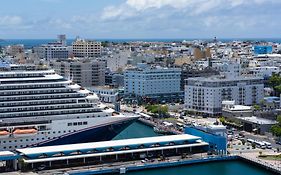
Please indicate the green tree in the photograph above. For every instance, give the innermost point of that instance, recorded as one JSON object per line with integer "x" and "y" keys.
{"x": 157, "y": 109}
{"x": 222, "y": 119}
{"x": 276, "y": 129}
{"x": 257, "y": 107}
{"x": 278, "y": 89}
{"x": 275, "y": 82}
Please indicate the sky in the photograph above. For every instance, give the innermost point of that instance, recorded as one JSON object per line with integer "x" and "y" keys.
{"x": 137, "y": 19}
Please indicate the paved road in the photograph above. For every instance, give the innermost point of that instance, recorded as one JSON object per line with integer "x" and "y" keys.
{"x": 260, "y": 138}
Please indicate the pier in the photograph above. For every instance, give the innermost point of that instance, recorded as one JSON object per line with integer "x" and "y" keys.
{"x": 107, "y": 152}
{"x": 122, "y": 168}
{"x": 136, "y": 166}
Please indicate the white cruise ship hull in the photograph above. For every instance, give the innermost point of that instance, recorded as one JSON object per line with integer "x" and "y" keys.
{"x": 68, "y": 131}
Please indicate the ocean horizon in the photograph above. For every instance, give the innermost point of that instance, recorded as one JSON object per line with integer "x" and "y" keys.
{"x": 29, "y": 43}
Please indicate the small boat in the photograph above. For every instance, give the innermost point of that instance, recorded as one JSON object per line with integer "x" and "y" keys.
{"x": 4, "y": 134}
{"x": 24, "y": 132}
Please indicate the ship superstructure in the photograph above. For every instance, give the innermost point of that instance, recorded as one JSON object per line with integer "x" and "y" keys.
{"x": 39, "y": 107}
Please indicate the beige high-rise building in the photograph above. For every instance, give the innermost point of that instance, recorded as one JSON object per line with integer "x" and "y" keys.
{"x": 84, "y": 73}
{"x": 86, "y": 48}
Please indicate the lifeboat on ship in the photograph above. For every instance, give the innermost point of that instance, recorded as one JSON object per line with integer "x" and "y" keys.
{"x": 24, "y": 132}
{"x": 4, "y": 134}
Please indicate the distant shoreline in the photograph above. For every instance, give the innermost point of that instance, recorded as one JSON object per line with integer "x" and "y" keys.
{"x": 29, "y": 43}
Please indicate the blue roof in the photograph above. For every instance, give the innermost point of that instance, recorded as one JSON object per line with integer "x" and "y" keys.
{"x": 103, "y": 146}
{"x": 271, "y": 98}
{"x": 7, "y": 155}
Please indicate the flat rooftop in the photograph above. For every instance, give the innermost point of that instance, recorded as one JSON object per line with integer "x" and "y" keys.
{"x": 258, "y": 120}
{"x": 238, "y": 108}
{"x": 224, "y": 79}
{"x": 36, "y": 160}
{"x": 107, "y": 144}
{"x": 6, "y": 153}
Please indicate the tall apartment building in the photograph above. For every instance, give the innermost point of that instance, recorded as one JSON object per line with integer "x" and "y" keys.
{"x": 155, "y": 83}
{"x": 189, "y": 72}
{"x": 205, "y": 95}
{"x": 54, "y": 50}
{"x": 84, "y": 73}
{"x": 86, "y": 48}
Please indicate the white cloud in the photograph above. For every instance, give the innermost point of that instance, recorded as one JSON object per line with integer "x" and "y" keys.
{"x": 60, "y": 24}
{"x": 193, "y": 7}
{"x": 8, "y": 21}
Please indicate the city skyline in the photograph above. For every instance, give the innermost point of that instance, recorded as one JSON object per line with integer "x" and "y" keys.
{"x": 141, "y": 19}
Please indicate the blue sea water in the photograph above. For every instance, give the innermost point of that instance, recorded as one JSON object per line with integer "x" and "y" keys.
{"x": 214, "y": 168}
{"x": 137, "y": 130}
{"x": 29, "y": 43}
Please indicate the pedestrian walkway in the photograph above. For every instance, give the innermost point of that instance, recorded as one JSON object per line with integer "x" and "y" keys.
{"x": 268, "y": 164}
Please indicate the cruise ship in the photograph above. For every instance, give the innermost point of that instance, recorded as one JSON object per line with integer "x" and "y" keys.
{"x": 39, "y": 108}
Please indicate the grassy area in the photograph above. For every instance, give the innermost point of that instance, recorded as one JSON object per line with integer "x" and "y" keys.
{"x": 170, "y": 119}
{"x": 271, "y": 157}
{"x": 159, "y": 109}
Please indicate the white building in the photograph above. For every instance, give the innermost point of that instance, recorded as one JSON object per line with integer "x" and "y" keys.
{"x": 116, "y": 60}
{"x": 50, "y": 51}
{"x": 57, "y": 49}
{"x": 228, "y": 68}
{"x": 265, "y": 71}
{"x": 206, "y": 94}
{"x": 106, "y": 93}
{"x": 152, "y": 82}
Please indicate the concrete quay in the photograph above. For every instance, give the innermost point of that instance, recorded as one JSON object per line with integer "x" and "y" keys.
{"x": 123, "y": 167}
{"x": 274, "y": 166}
{"x": 137, "y": 165}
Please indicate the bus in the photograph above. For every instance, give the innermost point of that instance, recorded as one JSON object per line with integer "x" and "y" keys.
{"x": 267, "y": 144}
{"x": 250, "y": 140}
{"x": 260, "y": 144}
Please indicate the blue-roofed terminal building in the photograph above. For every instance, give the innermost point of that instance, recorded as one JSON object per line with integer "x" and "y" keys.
{"x": 8, "y": 161}
{"x": 259, "y": 50}
{"x": 53, "y": 157}
{"x": 215, "y": 135}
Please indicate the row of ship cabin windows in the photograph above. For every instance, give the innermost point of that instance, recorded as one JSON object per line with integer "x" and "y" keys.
{"x": 77, "y": 123}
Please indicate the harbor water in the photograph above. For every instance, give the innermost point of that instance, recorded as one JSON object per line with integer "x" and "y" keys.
{"x": 214, "y": 168}
{"x": 137, "y": 130}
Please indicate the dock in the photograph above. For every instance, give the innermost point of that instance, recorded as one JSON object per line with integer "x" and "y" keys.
{"x": 124, "y": 167}
{"x": 142, "y": 166}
